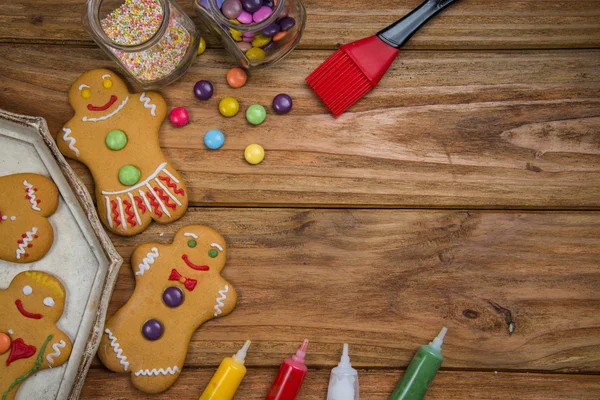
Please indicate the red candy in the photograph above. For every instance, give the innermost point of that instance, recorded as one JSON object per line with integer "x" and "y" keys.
{"x": 179, "y": 116}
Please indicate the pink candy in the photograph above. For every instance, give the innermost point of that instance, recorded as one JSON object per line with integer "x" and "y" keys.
{"x": 262, "y": 14}
{"x": 245, "y": 17}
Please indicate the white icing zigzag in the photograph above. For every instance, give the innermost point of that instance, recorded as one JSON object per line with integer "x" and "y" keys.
{"x": 146, "y": 100}
{"x": 117, "y": 349}
{"x": 71, "y": 140}
{"x": 25, "y": 241}
{"x": 56, "y": 347}
{"x": 86, "y": 119}
{"x": 31, "y": 194}
{"x": 220, "y": 299}
{"x": 156, "y": 372}
{"x": 147, "y": 261}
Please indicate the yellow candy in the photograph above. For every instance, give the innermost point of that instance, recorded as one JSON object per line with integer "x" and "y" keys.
{"x": 201, "y": 46}
{"x": 261, "y": 40}
{"x": 237, "y": 35}
{"x": 255, "y": 54}
{"x": 254, "y": 154}
{"x": 229, "y": 106}
{"x": 86, "y": 93}
{"x": 107, "y": 83}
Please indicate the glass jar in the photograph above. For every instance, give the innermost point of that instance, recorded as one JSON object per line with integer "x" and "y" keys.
{"x": 258, "y": 38}
{"x": 154, "y": 41}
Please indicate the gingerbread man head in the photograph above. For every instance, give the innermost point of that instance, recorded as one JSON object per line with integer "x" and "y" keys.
{"x": 38, "y": 296}
{"x": 98, "y": 94}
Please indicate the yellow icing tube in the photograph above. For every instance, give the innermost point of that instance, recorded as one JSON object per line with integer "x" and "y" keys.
{"x": 227, "y": 379}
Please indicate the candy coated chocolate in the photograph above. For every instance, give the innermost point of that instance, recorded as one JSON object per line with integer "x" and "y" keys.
{"x": 231, "y": 8}
{"x": 252, "y": 5}
{"x": 254, "y": 154}
{"x": 4, "y": 343}
{"x": 214, "y": 139}
{"x": 129, "y": 175}
{"x": 287, "y": 23}
{"x": 262, "y": 14}
{"x": 256, "y": 114}
{"x": 228, "y": 106}
{"x": 203, "y": 90}
{"x": 236, "y": 77}
{"x": 271, "y": 30}
{"x": 244, "y": 46}
{"x": 173, "y": 296}
{"x": 282, "y": 103}
{"x": 179, "y": 116}
{"x": 153, "y": 329}
{"x": 245, "y": 17}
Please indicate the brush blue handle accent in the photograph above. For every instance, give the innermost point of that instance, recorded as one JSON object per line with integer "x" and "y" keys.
{"x": 400, "y": 31}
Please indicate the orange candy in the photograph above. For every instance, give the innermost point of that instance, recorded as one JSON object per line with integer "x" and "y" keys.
{"x": 4, "y": 343}
{"x": 236, "y": 77}
{"x": 279, "y": 36}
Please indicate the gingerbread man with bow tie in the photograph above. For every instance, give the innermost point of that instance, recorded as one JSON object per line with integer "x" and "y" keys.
{"x": 178, "y": 288}
{"x": 30, "y": 341}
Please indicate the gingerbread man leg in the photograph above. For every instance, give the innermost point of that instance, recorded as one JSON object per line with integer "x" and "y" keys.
{"x": 178, "y": 288}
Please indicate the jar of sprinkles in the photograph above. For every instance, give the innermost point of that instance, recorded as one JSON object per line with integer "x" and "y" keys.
{"x": 154, "y": 41}
{"x": 256, "y": 32}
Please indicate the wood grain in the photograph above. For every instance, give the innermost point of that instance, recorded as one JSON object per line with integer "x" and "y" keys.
{"x": 469, "y": 24}
{"x": 508, "y": 129}
{"x": 374, "y": 385}
{"x": 387, "y": 281}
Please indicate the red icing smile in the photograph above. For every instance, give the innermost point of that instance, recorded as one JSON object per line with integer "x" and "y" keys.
{"x": 112, "y": 100}
{"x": 194, "y": 266}
{"x": 25, "y": 312}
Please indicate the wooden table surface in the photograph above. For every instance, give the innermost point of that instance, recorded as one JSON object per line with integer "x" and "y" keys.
{"x": 463, "y": 192}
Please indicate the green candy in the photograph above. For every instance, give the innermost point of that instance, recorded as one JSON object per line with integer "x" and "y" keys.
{"x": 116, "y": 140}
{"x": 256, "y": 114}
{"x": 129, "y": 175}
{"x": 212, "y": 253}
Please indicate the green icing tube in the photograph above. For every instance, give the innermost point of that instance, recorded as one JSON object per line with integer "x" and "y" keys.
{"x": 421, "y": 371}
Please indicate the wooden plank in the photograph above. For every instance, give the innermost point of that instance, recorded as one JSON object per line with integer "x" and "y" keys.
{"x": 469, "y": 24}
{"x": 511, "y": 129}
{"x": 374, "y": 385}
{"x": 386, "y": 281}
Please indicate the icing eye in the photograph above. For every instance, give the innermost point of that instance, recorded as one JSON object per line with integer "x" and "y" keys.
{"x": 49, "y": 301}
{"x": 27, "y": 290}
{"x": 86, "y": 93}
{"x": 212, "y": 253}
{"x": 107, "y": 83}
{"x": 192, "y": 243}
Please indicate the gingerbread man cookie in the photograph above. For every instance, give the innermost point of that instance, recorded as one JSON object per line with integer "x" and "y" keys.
{"x": 178, "y": 288}
{"x": 115, "y": 133}
{"x": 29, "y": 310}
{"x": 26, "y": 200}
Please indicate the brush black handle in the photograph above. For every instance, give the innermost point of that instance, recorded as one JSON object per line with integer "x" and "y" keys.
{"x": 400, "y": 31}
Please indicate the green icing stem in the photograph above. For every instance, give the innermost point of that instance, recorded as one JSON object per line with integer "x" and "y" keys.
{"x": 38, "y": 364}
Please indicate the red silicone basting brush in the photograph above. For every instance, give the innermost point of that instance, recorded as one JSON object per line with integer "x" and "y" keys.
{"x": 357, "y": 67}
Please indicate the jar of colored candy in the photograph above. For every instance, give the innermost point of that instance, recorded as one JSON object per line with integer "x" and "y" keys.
{"x": 154, "y": 41}
{"x": 256, "y": 32}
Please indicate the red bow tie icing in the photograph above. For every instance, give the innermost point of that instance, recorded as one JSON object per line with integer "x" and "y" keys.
{"x": 189, "y": 284}
{"x": 19, "y": 350}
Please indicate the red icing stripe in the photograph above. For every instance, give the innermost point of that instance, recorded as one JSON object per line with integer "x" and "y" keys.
{"x": 172, "y": 185}
{"x": 115, "y": 213}
{"x": 140, "y": 203}
{"x": 130, "y": 214}
{"x": 154, "y": 203}
{"x": 165, "y": 198}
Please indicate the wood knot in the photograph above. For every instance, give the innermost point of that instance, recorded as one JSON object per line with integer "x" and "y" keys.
{"x": 471, "y": 314}
{"x": 37, "y": 19}
{"x": 533, "y": 168}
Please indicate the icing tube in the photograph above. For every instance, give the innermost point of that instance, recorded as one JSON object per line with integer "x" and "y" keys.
{"x": 289, "y": 380}
{"x": 228, "y": 377}
{"x": 343, "y": 383}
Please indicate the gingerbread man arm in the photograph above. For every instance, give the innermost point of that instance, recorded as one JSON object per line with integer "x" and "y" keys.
{"x": 144, "y": 258}
{"x": 154, "y": 105}
{"x": 57, "y": 351}
{"x": 67, "y": 142}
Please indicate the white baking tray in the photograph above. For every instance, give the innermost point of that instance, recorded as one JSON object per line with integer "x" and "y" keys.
{"x": 82, "y": 256}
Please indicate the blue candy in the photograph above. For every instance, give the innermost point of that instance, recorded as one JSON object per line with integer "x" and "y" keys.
{"x": 214, "y": 139}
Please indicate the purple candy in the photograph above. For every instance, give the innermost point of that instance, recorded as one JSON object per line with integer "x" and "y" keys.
{"x": 282, "y": 103}
{"x": 252, "y": 5}
{"x": 249, "y": 34}
{"x": 220, "y": 3}
{"x": 262, "y": 14}
{"x": 152, "y": 329}
{"x": 203, "y": 90}
{"x": 173, "y": 296}
{"x": 269, "y": 3}
{"x": 269, "y": 46}
{"x": 271, "y": 30}
{"x": 245, "y": 17}
{"x": 287, "y": 23}
{"x": 231, "y": 8}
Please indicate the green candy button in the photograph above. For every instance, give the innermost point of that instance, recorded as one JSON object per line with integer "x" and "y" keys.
{"x": 116, "y": 140}
{"x": 129, "y": 175}
{"x": 256, "y": 114}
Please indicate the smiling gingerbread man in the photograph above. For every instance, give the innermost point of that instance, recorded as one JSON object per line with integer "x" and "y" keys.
{"x": 29, "y": 338}
{"x": 26, "y": 200}
{"x": 115, "y": 133}
{"x": 178, "y": 288}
